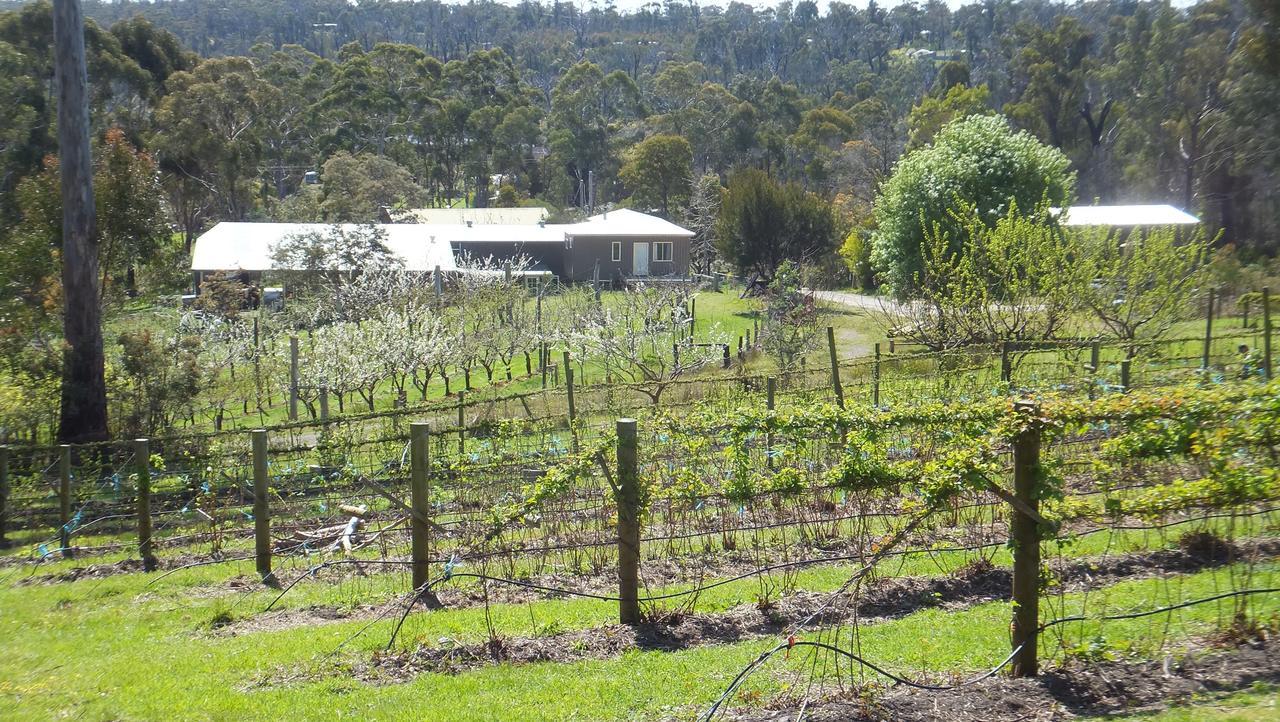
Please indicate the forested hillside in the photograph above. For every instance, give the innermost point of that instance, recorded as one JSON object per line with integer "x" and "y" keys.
{"x": 235, "y": 101}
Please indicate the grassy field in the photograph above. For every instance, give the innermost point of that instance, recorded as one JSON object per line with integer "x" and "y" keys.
{"x": 196, "y": 644}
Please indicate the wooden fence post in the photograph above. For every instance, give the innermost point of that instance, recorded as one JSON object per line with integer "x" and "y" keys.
{"x": 438, "y": 281}
{"x": 726, "y": 362}
{"x": 64, "y": 500}
{"x": 770, "y": 391}
{"x": 261, "y": 510}
{"x": 142, "y": 461}
{"x": 462, "y": 422}
{"x": 1266, "y": 333}
{"x": 4, "y": 494}
{"x": 875, "y": 379}
{"x": 1126, "y": 368}
{"x": 1208, "y": 332}
{"x": 1095, "y": 362}
{"x": 1025, "y": 538}
{"x": 628, "y": 524}
{"x": 568, "y": 387}
{"x": 835, "y": 367}
{"x": 1006, "y": 364}
{"x": 543, "y": 358}
{"x": 293, "y": 378}
{"x": 693, "y": 316}
{"x": 324, "y": 403}
{"x": 892, "y": 345}
{"x": 420, "y": 500}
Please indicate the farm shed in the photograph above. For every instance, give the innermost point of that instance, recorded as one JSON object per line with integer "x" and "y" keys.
{"x": 246, "y": 248}
{"x": 1128, "y": 215}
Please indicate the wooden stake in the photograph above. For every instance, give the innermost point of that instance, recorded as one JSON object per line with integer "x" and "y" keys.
{"x": 142, "y": 462}
{"x": 293, "y": 378}
{"x": 419, "y": 460}
{"x": 64, "y": 500}
{"x": 1025, "y": 540}
{"x": 1266, "y": 333}
{"x": 628, "y": 524}
{"x": 1208, "y": 332}
{"x": 835, "y": 367}
{"x": 875, "y": 379}
{"x": 462, "y": 422}
{"x": 261, "y": 509}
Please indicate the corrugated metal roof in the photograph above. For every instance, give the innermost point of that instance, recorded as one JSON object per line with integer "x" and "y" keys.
{"x": 423, "y": 246}
{"x": 477, "y": 216}
{"x": 1131, "y": 215}
{"x": 625, "y": 222}
{"x": 248, "y": 246}
{"x": 497, "y": 233}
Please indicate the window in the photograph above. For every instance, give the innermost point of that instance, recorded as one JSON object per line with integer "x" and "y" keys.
{"x": 617, "y": 251}
{"x": 662, "y": 251}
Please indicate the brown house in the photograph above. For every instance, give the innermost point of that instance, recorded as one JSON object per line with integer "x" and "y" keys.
{"x": 622, "y": 243}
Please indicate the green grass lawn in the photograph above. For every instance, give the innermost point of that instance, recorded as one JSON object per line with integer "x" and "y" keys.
{"x": 117, "y": 648}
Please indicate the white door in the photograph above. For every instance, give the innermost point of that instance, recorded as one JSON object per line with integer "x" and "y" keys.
{"x": 640, "y": 259}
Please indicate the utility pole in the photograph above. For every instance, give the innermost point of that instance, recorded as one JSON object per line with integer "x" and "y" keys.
{"x": 84, "y": 388}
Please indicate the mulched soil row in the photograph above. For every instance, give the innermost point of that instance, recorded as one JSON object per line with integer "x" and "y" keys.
{"x": 1078, "y": 689}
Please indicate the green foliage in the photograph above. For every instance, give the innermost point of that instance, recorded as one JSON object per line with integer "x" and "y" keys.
{"x": 156, "y": 378}
{"x": 933, "y": 112}
{"x": 1014, "y": 280}
{"x": 976, "y": 162}
{"x": 762, "y": 224}
{"x": 658, "y": 171}
{"x": 357, "y": 188}
{"x": 792, "y": 317}
{"x": 1143, "y": 280}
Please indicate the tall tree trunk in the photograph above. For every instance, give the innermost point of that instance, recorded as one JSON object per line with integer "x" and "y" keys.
{"x": 84, "y": 390}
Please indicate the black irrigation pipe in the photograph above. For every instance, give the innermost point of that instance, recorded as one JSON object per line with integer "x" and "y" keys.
{"x": 209, "y": 562}
{"x": 1159, "y": 610}
{"x": 332, "y": 563}
{"x": 792, "y": 643}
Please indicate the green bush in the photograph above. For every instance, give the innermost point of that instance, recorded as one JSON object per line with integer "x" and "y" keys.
{"x": 977, "y": 162}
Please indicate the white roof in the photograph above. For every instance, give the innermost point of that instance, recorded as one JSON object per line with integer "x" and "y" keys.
{"x": 477, "y": 216}
{"x": 248, "y": 246}
{"x": 495, "y": 234}
{"x": 1136, "y": 215}
{"x": 422, "y": 246}
{"x": 625, "y": 222}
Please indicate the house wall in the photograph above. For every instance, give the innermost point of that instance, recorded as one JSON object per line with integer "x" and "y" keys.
{"x": 546, "y": 256}
{"x": 587, "y": 249}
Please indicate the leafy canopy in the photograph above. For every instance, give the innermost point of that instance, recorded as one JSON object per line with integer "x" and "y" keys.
{"x": 764, "y": 223}
{"x": 977, "y": 162}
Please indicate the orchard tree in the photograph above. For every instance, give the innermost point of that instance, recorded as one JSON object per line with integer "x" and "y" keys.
{"x": 1016, "y": 280}
{"x": 977, "y": 162}
{"x": 657, "y": 172}
{"x": 1142, "y": 281}
{"x": 793, "y": 319}
{"x": 764, "y": 223}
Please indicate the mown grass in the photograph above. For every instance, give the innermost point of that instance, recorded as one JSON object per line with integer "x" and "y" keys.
{"x": 118, "y": 649}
